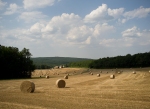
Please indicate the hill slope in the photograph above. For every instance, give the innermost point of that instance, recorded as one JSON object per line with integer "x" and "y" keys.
{"x": 53, "y": 61}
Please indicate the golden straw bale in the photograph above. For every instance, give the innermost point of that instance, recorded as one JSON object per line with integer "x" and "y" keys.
{"x": 60, "y": 83}
{"x": 47, "y": 76}
{"x": 98, "y": 75}
{"x": 134, "y": 72}
{"x": 27, "y": 87}
{"x": 112, "y": 76}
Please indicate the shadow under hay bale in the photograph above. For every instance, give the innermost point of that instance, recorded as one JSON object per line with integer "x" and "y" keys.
{"x": 112, "y": 76}
{"x": 60, "y": 83}
{"x": 66, "y": 77}
{"x": 27, "y": 87}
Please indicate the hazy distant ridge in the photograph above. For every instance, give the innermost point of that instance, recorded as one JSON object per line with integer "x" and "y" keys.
{"x": 52, "y": 61}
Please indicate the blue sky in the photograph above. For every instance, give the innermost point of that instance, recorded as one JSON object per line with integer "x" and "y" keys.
{"x": 72, "y": 28}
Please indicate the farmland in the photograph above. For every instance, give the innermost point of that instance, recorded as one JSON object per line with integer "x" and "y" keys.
{"x": 82, "y": 91}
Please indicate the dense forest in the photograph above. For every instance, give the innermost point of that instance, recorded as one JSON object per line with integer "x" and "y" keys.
{"x": 81, "y": 64}
{"x": 50, "y": 62}
{"x": 128, "y": 61}
{"x": 15, "y": 63}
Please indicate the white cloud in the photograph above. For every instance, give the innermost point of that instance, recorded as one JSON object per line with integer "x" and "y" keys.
{"x": 103, "y": 14}
{"x": 96, "y": 15}
{"x": 139, "y": 13}
{"x": 79, "y": 34}
{"x": 116, "y": 13}
{"x": 100, "y": 30}
{"x": 13, "y": 8}
{"x": 128, "y": 39}
{"x": 131, "y": 32}
{"x": 136, "y": 13}
{"x": 37, "y": 28}
{"x": 32, "y": 16}
{"x": 61, "y": 24}
{"x": 2, "y": 4}
{"x": 32, "y": 4}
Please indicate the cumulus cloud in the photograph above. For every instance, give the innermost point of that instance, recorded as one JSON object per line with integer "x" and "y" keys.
{"x": 13, "y": 8}
{"x": 33, "y": 4}
{"x": 100, "y": 30}
{"x": 96, "y": 15}
{"x": 2, "y": 4}
{"x": 103, "y": 14}
{"x": 32, "y": 16}
{"x": 61, "y": 24}
{"x": 130, "y": 37}
{"x": 137, "y": 13}
{"x": 116, "y": 13}
{"x": 36, "y": 28}
{"x": 131, "y": 32}
{"x": 79, "y": 34}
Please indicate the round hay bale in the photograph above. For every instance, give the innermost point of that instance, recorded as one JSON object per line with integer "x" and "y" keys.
{"x": 149, "y": 70}
{"x": 112, "y": 76}
{"x": 66, "y": 77}
{"x": 91, "y": 73}
{"x": 27, "y": 87}
{"x": 47, "y": 76}
{"x": 134, "y": 72}
{"x": 60, "y": 83}
{"x": 98, "y": 75}
{"x": 119, "y": 72}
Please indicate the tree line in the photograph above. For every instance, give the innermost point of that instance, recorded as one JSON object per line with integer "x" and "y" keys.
{"x": 15, "y": 63}
{"x": 81, "y": 64}
{"x": 127, "y": 61}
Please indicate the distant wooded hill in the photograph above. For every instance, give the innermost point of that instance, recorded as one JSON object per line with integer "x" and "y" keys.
{"x": 49, "y": 62}
{"x": 127, "y": 61}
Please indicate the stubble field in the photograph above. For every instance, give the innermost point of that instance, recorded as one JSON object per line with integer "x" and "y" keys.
{"x": 82, "y": 91}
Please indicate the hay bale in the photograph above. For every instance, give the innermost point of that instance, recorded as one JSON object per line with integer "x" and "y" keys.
{"x": 134, "y": 72}
{"x": 66, "y": 77}
{"x": 149, "y": 70}
{"x": 47, "y": 76}
{"x": 98, "y": 75}
{"x": 27, "y": 87}
{"x": 60, "y": 83}
{"x": 112, "y": 76}
{"x": 119, "y": 72}
{"x": 91, "y": 73}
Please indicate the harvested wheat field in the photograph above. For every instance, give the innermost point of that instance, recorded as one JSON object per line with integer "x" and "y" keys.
{"x": 82, "y": 90}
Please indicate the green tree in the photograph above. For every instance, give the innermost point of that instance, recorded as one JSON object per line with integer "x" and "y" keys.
{"x": 15, "y": 64}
